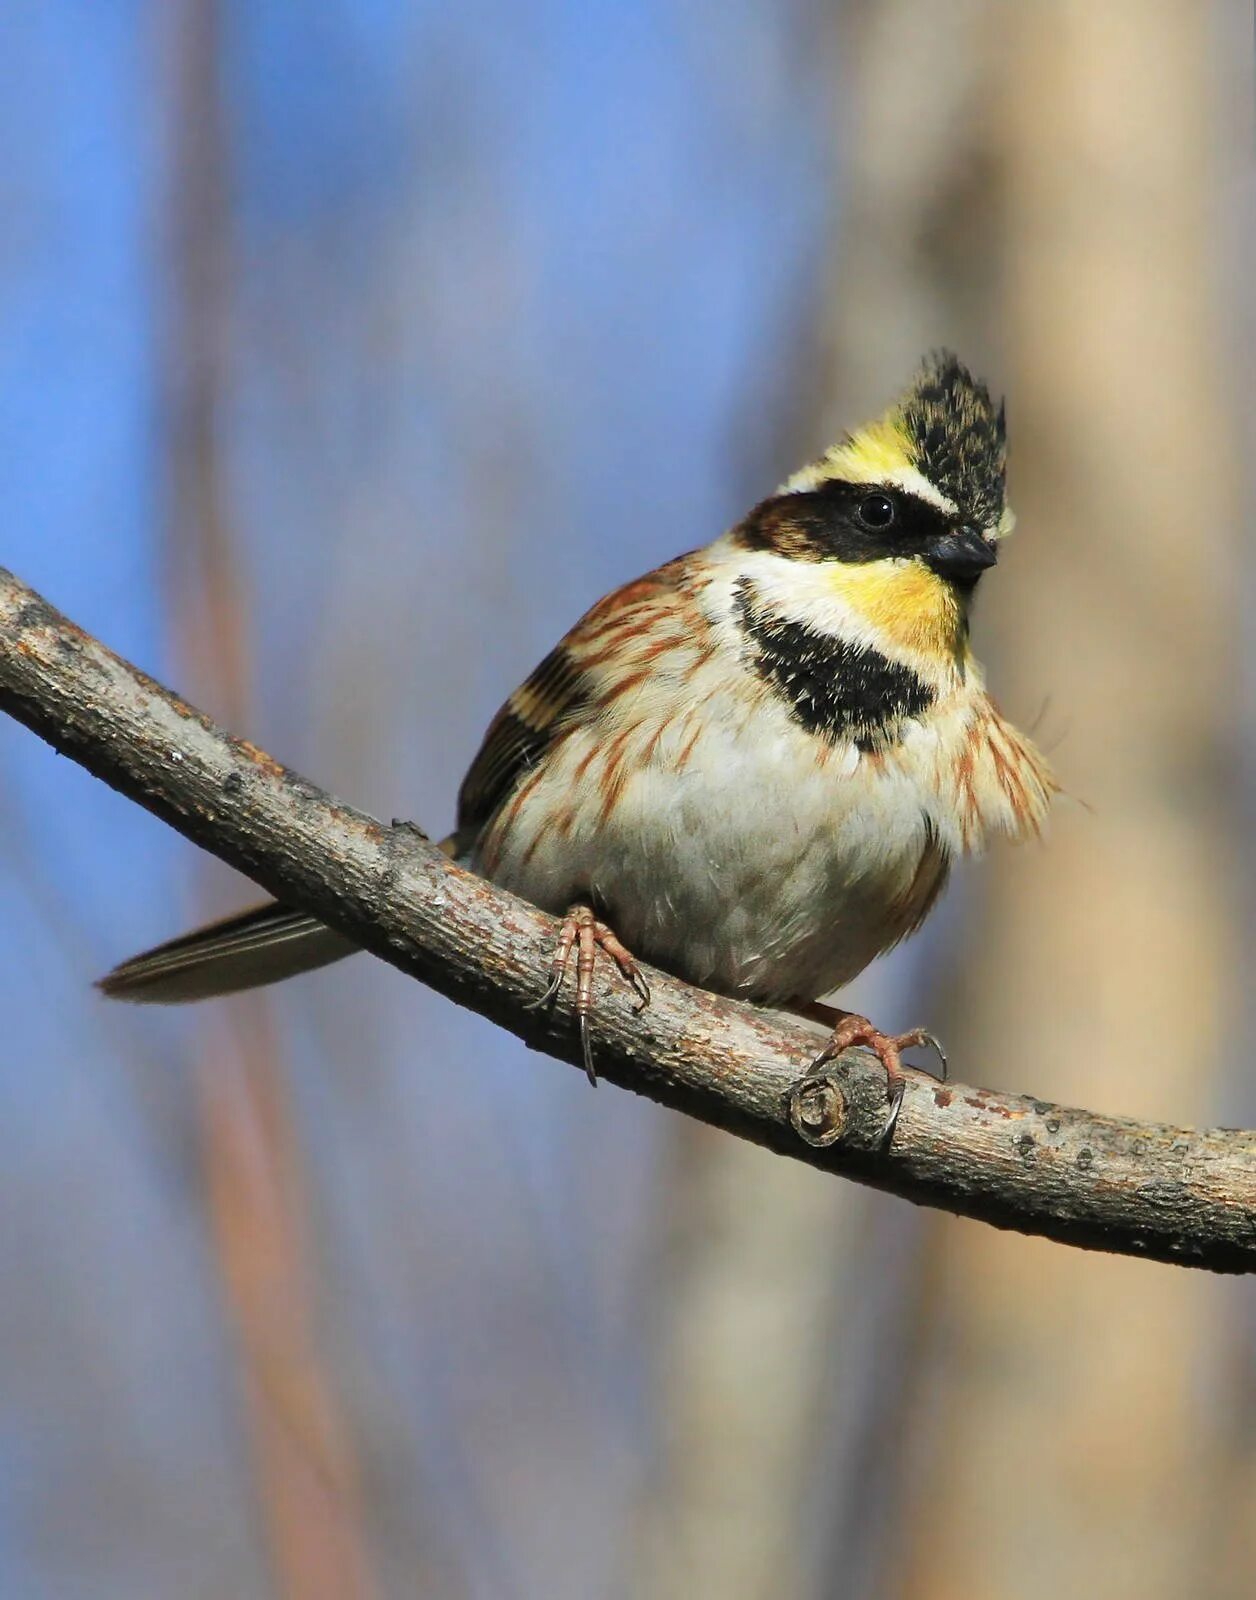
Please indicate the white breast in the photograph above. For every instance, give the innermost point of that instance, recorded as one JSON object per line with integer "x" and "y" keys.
{"x": 736, "y": 850}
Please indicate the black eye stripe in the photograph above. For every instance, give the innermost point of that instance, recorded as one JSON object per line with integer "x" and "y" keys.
{"x": 838, "y": 517}
{"x": 831, "y": 522}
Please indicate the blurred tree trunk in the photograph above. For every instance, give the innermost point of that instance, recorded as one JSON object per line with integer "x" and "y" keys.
{"x": 1071, "y": 1447}
{"x": 305, "y": 1472}
{"x": 788, "y": 1330}
{"x": 1039, "y": 1411}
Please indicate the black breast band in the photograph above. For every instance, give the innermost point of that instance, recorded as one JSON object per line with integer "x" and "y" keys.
{"x": 834, "y": 689}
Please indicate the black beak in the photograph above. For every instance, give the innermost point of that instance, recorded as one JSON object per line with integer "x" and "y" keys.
{"x": 961, "y": 555}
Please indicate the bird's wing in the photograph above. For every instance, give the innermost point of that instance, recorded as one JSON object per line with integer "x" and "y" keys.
{"x": 568, "y": 688}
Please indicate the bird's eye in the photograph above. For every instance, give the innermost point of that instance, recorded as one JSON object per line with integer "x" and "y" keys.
{"x": 876, "y": 511}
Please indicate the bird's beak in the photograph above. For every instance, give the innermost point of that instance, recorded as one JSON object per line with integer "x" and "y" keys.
{"x": 961, "y": 555}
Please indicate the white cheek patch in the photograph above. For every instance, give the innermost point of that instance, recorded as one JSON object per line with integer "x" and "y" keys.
{"x": 801, "y": 590}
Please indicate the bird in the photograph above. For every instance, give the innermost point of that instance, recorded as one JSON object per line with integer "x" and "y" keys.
{"x": 754, "y": 767}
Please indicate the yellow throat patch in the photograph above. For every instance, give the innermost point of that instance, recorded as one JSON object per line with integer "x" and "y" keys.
{"x": 906, "y": 604}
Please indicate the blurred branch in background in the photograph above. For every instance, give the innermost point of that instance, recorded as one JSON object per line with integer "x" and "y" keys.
{"x": 1156, "y": 1191}
{"x": 306, "y": 1477}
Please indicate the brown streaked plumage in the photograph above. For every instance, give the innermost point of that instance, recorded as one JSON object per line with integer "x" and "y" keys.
{"x": 755, "y": 766}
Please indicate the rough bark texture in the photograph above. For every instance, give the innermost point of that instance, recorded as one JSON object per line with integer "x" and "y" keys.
{"x": 1106, "y": 1183}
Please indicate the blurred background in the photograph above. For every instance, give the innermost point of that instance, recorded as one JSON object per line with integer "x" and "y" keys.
{"x": 347, "y": 354}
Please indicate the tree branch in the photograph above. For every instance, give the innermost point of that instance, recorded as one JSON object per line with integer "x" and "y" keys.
{"x": 1107, "y": 1183}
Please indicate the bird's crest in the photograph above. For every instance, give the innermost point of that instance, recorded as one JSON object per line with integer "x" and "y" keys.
{"x": 944, "y": 440}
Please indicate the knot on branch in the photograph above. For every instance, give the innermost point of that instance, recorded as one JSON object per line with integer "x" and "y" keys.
{"x": 817, "y": 1109}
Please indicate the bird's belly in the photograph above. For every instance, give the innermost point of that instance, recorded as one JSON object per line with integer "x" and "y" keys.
{"x": 750, "y": 861}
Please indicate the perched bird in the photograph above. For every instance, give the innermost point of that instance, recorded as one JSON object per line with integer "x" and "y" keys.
{"x": 754, "y": 766}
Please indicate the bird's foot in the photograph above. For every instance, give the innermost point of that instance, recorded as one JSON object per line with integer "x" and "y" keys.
{"x": 851, "y": 1030}
{"x": 583, "y": 932}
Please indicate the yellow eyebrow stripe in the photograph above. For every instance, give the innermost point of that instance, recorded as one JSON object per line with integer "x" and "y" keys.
{"x": 880, "y": 453}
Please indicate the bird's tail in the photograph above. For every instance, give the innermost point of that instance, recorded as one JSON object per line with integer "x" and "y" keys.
{"x": 262, "y": 945}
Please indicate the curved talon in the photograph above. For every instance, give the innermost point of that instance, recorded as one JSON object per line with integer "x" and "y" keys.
{"x": 935, "y": 1044}
{"x": 586, "y": 1049}
{"x": 640, "y": 985}
{"x": 891, "y": 1121}
{"x": 550, "y": 992}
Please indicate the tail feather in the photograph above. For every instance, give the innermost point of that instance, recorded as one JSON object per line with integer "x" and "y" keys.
{"x": 262, "y": 945}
